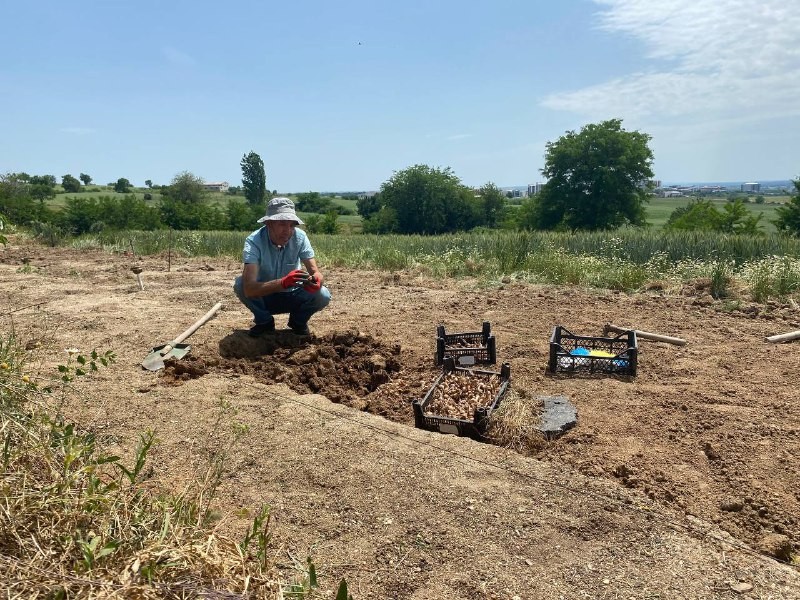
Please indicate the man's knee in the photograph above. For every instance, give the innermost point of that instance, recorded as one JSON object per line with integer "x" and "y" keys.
{"x": 317, "y": 301}
{"x": 323, "y": 298}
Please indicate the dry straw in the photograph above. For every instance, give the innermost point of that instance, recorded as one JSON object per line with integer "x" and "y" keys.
{"x": 514, "y": 424}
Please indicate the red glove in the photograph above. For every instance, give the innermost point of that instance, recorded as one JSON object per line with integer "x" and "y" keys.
{"x": 294, "y": 278}
{"x": 312, "y": 284}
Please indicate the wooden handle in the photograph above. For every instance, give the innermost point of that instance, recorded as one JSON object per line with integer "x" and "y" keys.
{"x": 784, "y": 337}
{"x": 646, "y": 335}
{"x": 196, "y": 325}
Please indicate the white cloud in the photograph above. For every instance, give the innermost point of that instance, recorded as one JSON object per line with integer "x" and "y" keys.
{"x": 77, "y": 130}
{"x": 178, "y": 57}
{"x": 727, "y": 59}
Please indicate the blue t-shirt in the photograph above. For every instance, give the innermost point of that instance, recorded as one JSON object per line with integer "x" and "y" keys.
{"x": 274, "y": 262}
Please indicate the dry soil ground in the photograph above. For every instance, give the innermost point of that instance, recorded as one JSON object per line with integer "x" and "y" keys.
{"x": 679, "y": 483}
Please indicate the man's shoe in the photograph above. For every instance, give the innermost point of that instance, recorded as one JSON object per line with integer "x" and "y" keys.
{"x": 260, "y": 329}
{"x": 299, "y": 329}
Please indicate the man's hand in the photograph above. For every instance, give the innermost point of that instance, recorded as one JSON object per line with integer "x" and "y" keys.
{"x": 312, "y": 284}
{"x": 294, "y": 278}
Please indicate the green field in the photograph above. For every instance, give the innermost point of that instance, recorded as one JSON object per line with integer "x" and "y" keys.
{"x": 98, "y": 191}
{"x": 659, "y": 209}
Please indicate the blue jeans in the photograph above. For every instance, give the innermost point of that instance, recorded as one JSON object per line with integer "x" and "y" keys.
{"x": 299, "y": 303}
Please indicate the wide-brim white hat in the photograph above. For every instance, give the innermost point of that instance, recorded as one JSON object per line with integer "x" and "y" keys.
{"x": 281, "y": 209}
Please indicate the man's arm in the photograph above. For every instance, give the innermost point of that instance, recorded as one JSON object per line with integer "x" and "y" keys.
{"x": 253, "y": 288}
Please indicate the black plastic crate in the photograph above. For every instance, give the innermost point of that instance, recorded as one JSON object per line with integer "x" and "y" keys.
{"x": 570, "y": 353}
{"x": 475, "y": 428}
{"x": 467, "y": 349}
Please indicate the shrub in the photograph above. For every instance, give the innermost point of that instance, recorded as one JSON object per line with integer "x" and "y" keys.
{"x": 48, "y": 233}
{"x": 720, "y": 280}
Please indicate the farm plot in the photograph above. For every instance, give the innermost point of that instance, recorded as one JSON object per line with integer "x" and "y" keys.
{"x": 705, "y": 435}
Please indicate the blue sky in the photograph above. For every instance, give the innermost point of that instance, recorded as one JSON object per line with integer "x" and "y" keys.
{"x": 339, "y": 95}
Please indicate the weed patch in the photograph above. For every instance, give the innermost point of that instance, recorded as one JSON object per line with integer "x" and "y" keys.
{"x": 76, "y": 521}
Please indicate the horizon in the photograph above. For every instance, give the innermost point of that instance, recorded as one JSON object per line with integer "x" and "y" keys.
{"x": 358, "y": 91}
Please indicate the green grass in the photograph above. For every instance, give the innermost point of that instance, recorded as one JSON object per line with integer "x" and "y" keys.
{"x": 351, "y": 204}
{"x": 510, "y": 250}
{"x": 623, "y": 260}
{"x": 659, "y": 210}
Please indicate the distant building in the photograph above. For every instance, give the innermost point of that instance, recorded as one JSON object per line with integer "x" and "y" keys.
{"x": 534, "y": 188}
{"x": 686, "y": 189}
{"x": 218, "y": 186}
{"x": 365, "y": 195}
{"x": 711, "y": 189}
{"x": 751, "y": 187}
{"x": 650, "y": 183}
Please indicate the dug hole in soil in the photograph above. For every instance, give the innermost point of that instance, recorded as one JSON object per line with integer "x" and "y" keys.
{"x": 682, "y": 481}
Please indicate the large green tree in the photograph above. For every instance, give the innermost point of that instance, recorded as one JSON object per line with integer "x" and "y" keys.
{"x": 595, "y": 178}
{"x": 122, "y": 186}
{"x": 70, "y": 184}
{"x": 86, "y": 179}
{"x": 428, "y": 200}
{"x": 789, "y": 214}
{"x": 254, "y": 179}
{"x": 43, "y": 187}
{"x": 186, "y": 188}
{"x": 492, "y": 204}
{"x": 184, "y": 205}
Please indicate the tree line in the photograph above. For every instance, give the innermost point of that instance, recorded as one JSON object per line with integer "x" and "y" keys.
{"x": 596, "y": 180}
{"x": 184, "y": 203}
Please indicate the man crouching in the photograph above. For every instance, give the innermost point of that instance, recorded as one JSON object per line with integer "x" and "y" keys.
{"x": 272, "y": 281}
